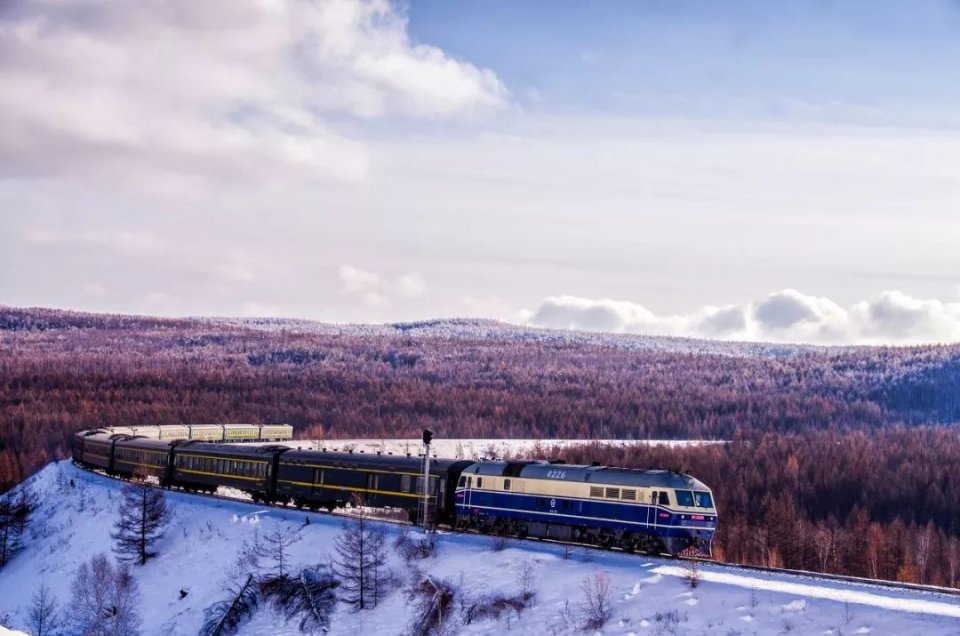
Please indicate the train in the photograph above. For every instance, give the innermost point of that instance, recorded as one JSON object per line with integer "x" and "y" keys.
{"x": 653, "y": 511}
{"x": 208, "y": 432}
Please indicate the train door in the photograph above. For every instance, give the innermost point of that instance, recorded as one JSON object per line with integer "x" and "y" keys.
{"x": 652, "y": 508}
{"x": 317, "y": 481}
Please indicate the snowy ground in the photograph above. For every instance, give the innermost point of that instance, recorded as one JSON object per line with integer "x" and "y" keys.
{"x": 650, "y": 595}
{"x": 474, "y": 448}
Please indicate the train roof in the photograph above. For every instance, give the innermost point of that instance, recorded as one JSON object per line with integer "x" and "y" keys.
{"x": 399, "y": 462}
{"x": 139, "y": 441}
{"x": 228, "y": 450}
{"x": 590, "y": 474}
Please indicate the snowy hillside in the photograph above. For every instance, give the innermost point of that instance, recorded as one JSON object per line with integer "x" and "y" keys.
{"x": 649, "y": 595}
{"x": 478, "y": 329}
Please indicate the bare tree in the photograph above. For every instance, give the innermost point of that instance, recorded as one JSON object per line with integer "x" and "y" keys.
{"x": 104, "y": 600}
{"x": 361, "y": 562}
{"x": 824, "y": 539}
{"x": 16, "y": 508}
{"x": 43, "y": 611}
{"x": 275, "y": 547}
{"x": 433, "y": 606}
{"x": 143, "y": 519}
{"x": 310, "y": 596}
{"x": 596, "y": 607}
{"x": 225, "y": 617}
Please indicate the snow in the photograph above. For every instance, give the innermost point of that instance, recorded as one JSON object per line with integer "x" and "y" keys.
{"x": 650, "y": 596}
{"x": 475, "y": 448}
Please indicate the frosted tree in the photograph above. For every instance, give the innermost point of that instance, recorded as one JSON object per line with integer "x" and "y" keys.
{"x": 596, "y": 606}
{"x": 143, "y": 519}
{"x": 224, "y": 618}
{"x": 361, "y": 562}
{"x": 309, "y": 596}
{"x": 275, "y": 547}
{"x": 43, "y": 612}
{"x": 104, "y": 600}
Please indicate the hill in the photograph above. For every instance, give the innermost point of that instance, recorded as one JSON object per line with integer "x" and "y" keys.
{"x": 646, "y": 595}
{"x": 63, "y": 371}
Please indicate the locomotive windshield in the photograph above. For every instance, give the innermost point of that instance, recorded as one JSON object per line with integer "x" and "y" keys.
{"x": 697, "y": 498}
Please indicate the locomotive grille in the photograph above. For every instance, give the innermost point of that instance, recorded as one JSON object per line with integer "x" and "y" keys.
{"x": 613, "y": 493}
{"x": 596, "y": 491}
{"x": 628, "y": 494}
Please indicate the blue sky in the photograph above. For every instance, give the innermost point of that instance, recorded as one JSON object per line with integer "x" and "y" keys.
{"x": 743, "y": 170}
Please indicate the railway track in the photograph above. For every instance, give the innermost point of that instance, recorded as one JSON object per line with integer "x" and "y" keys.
{"x": 867, "y": 582}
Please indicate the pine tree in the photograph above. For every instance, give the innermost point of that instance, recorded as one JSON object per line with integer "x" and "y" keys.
{"x": 361, "y": 562}
{"x": 275, "y": 547}
{"x": 43, "y": 611}
{"x": 225, "y": 617}
{"x": 143, "y": 519}
{"x": 310, "y": 596}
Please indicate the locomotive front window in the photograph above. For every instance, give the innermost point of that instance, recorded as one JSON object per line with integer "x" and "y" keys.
{"x": 684, "y": 498}
{"x": 463, "y": 482}
{"x": 703, "y": 499}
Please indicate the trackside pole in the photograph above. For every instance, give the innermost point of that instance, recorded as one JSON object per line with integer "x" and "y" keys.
{"x": 427, "y": 437}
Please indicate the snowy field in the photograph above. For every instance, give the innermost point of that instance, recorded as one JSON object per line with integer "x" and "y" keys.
{"x": 475, "y": 449}
{"x": 650, "y": 595}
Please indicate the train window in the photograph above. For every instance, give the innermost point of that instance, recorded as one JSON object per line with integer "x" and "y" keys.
{"x": 506, "y": 484}
{"x": 664, "y": 499}
{"x": 479, "y": 482}
{"x": 612, "y": 493}
{"x": 703, "y": 499}
{"x": 684, "y": 498}
{"x": 405, "y": 483}
{"x": 596, "y": 491}
{"x": 629, "y": 494}
{"x": 462, "y": 482}
{"x": 653, "y": 497}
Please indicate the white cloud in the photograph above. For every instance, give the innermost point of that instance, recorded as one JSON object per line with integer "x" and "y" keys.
{"x": 223, "y": 89}
{"x": 119, "y": 240}
{"x": 356, "y": 280}
{"x": 256, "y": 309}
{"x": 411, "y": 285}
{"x": 784, "y": 316}
{"x": 376, "y": 291}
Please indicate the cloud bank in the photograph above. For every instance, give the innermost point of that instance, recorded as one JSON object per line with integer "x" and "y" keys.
{"x": 220, "y": 89}
{"x": 784, "y": 316}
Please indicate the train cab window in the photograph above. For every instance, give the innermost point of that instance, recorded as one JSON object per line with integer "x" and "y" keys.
{"x": 702, "y": 499}
{"x": 653, "y": 497}
{"x": 506, "y": 484}
{"x": 479, "y": 482}
{"x": 664, "y": 499}
{"x": 685, "y": 498}
{"x": 462, "y": 482}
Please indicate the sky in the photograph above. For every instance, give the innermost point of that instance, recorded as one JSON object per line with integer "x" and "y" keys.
{"x": 746, "y": 170}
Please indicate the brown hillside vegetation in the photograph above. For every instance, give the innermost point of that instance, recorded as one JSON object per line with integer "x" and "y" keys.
{"x": 833, "y": 446}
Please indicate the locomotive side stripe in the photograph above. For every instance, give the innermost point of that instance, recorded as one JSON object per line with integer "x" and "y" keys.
{"x": 596, "y": 500}
{"x": 467, "y": 508}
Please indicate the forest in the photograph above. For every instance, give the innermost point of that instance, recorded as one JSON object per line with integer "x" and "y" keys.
{"x": 828, "y": 449}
